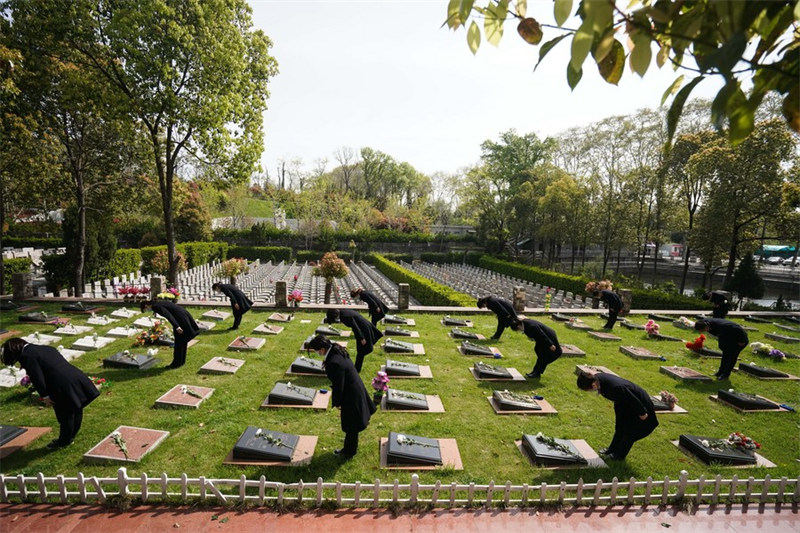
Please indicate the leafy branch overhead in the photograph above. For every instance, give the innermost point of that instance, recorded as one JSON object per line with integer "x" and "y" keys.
{"x": 752, "y": 44}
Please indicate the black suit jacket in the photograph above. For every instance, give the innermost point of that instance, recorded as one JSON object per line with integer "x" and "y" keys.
{"x": 612, "y": 300}
{"x": 373, "y": 302}
{"x": 730, "y": 334}
{"x": 502, "y": 308}
{"x": 348, "y": 391}
{"x": 630, "y": 402}
{"x": 236, "y": 296}
{"x": 178, "y": 317}
{"x": 362, "y": 328}
{"x": 51, "y": 375}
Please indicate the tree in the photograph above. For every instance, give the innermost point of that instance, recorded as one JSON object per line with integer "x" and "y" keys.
{"x": 192, "y": 75}
{"x": 740, "y": 41}
{"x": 330, "y": 267}
{"x": 745, "y": 281}
{"x": 348, "y": 163}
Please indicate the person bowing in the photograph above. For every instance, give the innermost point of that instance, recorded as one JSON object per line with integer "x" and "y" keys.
{"x": 547, "y": 347}
{"x": 184, "y": 328}
{"x": 240, "y": 303}
{"x": 377, "y": 309}
{"x": 732, "y": 339}
{"x": 506, "y": 315}
{"x": 365, "y": 333}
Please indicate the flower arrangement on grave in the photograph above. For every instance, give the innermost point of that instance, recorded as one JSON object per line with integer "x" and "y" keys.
{"x": 553, "y": 444}
{"x": 330, "y": 267}
{"x": 170, "y": 294}
{"x": 517, "y": 397}
{"x": 381, "y": 384}
{"x": 486, "y": 367}
{"x": 697, "y": 344}
{"x": 160, "y": 262}
{"x": 151, "y": 336}
{"x": 190, "y": 391}
{"x": 735, "y": 441}
{"x": 232, "y": 268}
{"x": 668, "y": 398}
{"x": 547, "y": 298}
{"x": 652, "y": 328}
{"x": 36, "y": 335}
{"x": 405, "y": 440}
{"x": 300, "y": 390}
{"x": 295, "y": 297}
{"x": 271, "y": 440}
{"x": 120, "y": 442}
{"x": 685, "y": 322}
{"x": 767, "y": 350}
{"x": 25, "y": 381}
{"x": 100, "y": 382}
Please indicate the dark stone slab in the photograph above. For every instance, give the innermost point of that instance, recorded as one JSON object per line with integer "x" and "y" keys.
{"x": 397, "y": 332}
{"x": 756, "y": 319}
{"x": 307, "y": 365}
{"x": 328, "y": 331}
{"x": 458, "y": 322}
{"x": 290, "y": 394}
{"x": 395, "y": 319}
{"x": 461, "y": 334}
{"x": 783, "y": 338}
{"x": 9, "y": 433}
{"x": 662, "y": 337}
{"x": 8, "y": 305}
{"x": 708, "y": 352}
{"x": 515, "y": 401}
{"x": 411, "y": 449}
{"x": 395, "y": 346}
{"x": 630, "y": 325}
{"x": 655, "y": 316}
{"x": 404, "y": 400}
{"x": 130, "y": 361}
{"x": 558, "y": 317}
{"x": 658, "y": 405}
{"x": 79, "y": 307}
{"x": 745, "y": 401}
{"x": 257, "y": 443}
{"x": 724, "y": 455}
{"x": 542, "y": 453}
{"x": 399, "y": 368}
{"x": 761, "y": 371}
{"x": 36, "y": 318}
{"x": 486, "y": 371}
{"x": 469, "y": 348}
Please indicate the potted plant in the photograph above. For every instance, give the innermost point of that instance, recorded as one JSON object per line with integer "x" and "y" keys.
{"x": 381, "y": 384}
{"x": 330, "y": 268}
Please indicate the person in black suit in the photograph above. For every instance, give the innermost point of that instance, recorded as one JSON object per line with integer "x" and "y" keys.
{"x": 633, "y": 407}
{"x": 61, "y": 385}
{"x": 732, "y": 340}
{"x": 377, "y": 309}
{"x": 348, "y": 392}
{"x": 719, "y": 300}
{"x": 240, "y": 303}
{"x": 506, "y": 315}
{"x": 184, "y": 328}
{"x": 365, "y": 333}
{"x": 614, "y": 304}
{"x": 547, "y": 348}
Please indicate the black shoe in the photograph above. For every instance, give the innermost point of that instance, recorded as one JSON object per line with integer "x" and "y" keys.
{"x": 603, "y": 451}
{"x": 614, "y": 457}
{"x": 533, "y": 375}
{"x": 722, "y": 378}
{"x": 233, "y": 328}
{"x": 495, "y": 338}
{"x": 343, "y": 455}
{"x": 55, "y": 444}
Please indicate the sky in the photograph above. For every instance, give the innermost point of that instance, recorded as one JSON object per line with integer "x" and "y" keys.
{"x": 386, "y": 74}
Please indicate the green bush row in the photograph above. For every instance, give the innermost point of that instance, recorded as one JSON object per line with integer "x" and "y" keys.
{"x": 33, "y": 242}
{"x": 195, "y": 253}
{"x": 262, "y": 253}
{"x": 427, "y": 292}
{"x": 12, "y": 266}
{"x": 259, "y": 233}
{"x": 125, "y": 261}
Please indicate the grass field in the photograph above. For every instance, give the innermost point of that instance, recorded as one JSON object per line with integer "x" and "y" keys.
{"x": 200, "y": 439}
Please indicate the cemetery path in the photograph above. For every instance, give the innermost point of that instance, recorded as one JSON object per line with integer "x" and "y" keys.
{"x": 61, "y": 518}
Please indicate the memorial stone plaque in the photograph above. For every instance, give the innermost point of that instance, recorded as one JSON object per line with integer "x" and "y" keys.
{"x": 36, "y": 317}
{"x": 745, "y": 401}
{"x": 560, "y": 318}
{"x": 291, "y": 394}
{"x": 244, "y": 343}
{"x": 395, "y": 319}
{"x": 78, "y": 307}
{"x": 406, "y": 401}
{"x": 9, "y": 433}
{"x": 756, "y": 319}
{"x": 603, "y": 336}
{"x": 783, "y": 338}
{"x": 761, "y": 371}
{"x": 329, "y": 331}
{"x": 659, "y": 405}
{"x": 684, "y": 373}
{"x": 515, "y": 401}
{"x": 549, "y": 451}
{"x": 637, "y": 352}
{"x": 130, "y": 361}
{"x": 461, "y": 334}
{"x": 412, "y": 450}
{"x": 578, "y": 324}
{"x": 71, "y": 329}
{"x": 216, "y": 314}
{"x": 102, "y": 320}
{"x": 458, "y": 322}
{"x": 262, "y": 444}
{"x": 570, "y": 350}
{"x": 307, "y": 365}
{"x": 397, "y": 332}
{"x": 662, "y": 337}
{"x": 124, "y": 312}
{"x": 486, "y": 371}
{"x": 395, "y": 346}
{"x": 718, "y": 451}
{"x": 787, "y": 328}
{"x": 400, "y": 368}
{"x": 470, "y": 348}
{"x": 8, "y": 305}
{"x": 655, "y": 316}
{"x": 281, "y": 317}
{"x": 632, "y": 325}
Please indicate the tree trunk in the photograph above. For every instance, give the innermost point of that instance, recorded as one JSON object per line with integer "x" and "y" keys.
{"x": 328, "y": 291}
{"x": 165, "y": 167}
{"x": 572, "y": 259}
{"x": 2, "y": 227}
{"x": 80, "y": 260}
{"x": 732, "y": 252}
{"x": 685, "y": 267}
{"x": 619, "y": 258}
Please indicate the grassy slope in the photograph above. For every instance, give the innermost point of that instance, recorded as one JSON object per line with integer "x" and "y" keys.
{"x": 200, "y": 439}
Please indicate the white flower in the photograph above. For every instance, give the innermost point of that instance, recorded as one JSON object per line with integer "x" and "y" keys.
{"x": 289, "y": 384}
{"x": 539, "y": 435}
{"x": 93, "y": 314}
{"x": 258, "y": 432}
{"x": 94, "y": 336}
{"x": 60, "y": 347}
{"x": 126, "y": 352}
{"x": 704, "y": 442}
{"x": 184, "y": 388}
{"x": 401, "y": 438}
{"x": 730, "y": 390}
{"x": 116, "y": 434}
{"x": 152, "y": 351}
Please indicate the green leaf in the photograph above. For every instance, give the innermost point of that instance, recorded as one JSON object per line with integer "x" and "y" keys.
{"x": 465, "y": 9}
{"x": 546, "y": 47}
{"x": 562, "y": 10}
{"x": 719, "y": 107}
{"x": 581, "y": 44}
{"x": 493, "y": 23}
{"x": 604, "y": 45}
{"x": 791, "y": 106}
{"x": 675, "y": 110}
{"x": 573, "y": 76}
{"x": 530, "y": 31}
{"x": 613, "y": 64}
{"x": 641, "y": 53}
{"x": 522, "y": 7}
{"x": 662, "y": 55}
{"x": 454, "y": 14}
{"x": 674, "y": 86}
{"x": 797, "y": 11}
{"x": 474, "y": 37}
{"x": 600, "y": 14}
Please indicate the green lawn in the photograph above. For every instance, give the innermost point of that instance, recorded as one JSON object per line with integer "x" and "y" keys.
{"x": 200, "y": 439}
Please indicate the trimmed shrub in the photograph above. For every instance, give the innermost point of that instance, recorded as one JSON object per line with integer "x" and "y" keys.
{"x": 125, "y": 261}
{"x": 275, "y": 254}
{"x": 426, "y": 291}
{"x": 33, "y": 242}
{"x": 57, "y": 271}
{"x": 314, "y": 255}
{"x": 200, "y": 253}
{"x": 12, "y": 266}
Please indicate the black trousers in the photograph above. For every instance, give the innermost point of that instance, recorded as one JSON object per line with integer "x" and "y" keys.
{"x": 545, "y": 357}
{"x": 502, "y": 324}
{"x": 179, "y": 351}
{"x": 361, "y": 352}
{"x": 730, "y": 354}
{"x": 720, "y": 311}
{"x": 612, "y": 318}
{"x": 625, "y": 437}
{"x": 350, "y": 443}
{"x": 376, "y": 316}
{"x": 237, "y": 319}
{"x": 69, "y": 419}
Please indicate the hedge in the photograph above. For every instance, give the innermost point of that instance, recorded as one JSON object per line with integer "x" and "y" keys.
{"x": 262, "y": 232}
{"x": 470, "y": 258}
{"x": 427, "y": 292}
{"x": 262, "y": 253}
{"x": 33, "y": 242}
{"x": 12, "y": 266}
{"x": 195, "y": 253}
{"x": 125, "y": 261}
{"x": 316, "y": 255}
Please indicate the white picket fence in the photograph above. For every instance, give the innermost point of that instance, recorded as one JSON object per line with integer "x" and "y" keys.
{"x": 260, "y": 491}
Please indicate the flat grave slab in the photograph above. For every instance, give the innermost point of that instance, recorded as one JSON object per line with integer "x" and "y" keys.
{"x": 457, "y": 333}
{"x": 603, "y": 336}
{"x": 42, "y": 318}
{"x": 246, "y": 344}
{"x": 268, "y": 329}
{"x": 146, "y": 321}
{"x": 102, "y": 320}
{"x": 478, "y": 350}
{"x": 15, "y": 438}
{"x": 570, "y": 350}
{"x": 280, "y": 317}
{"x": 662, "y": 408}
{"x": 41, "y": 338}
{"x": 403, "y": 370}
{"x": 756, "y": 319}
{"x": 541, "y": 455}
{"x": 72, "y": 329}
{"x": 400, "y": 332}
{"x": 330, "y": 331}
{"x": 706, "y": 352}
{"x": 782, "y": 338}
{"x": 262, "y": 447}
{"x": 558, "y": 317}
{"x": 766, "y": 373}
{"x": 221, "y": 365}
{"x": 10, "y": 376}
{"x": 304, "y": 346}
{"x": 746, "y": 403}
{"x": 485, "y": 372}
{"x": 138, "y": 442}
{"x": 80, "y": 308}
{"x": 457, "y": 322}
{"x": 631, "y": 325}
{"x": 578, "y": 324}
{"x": 124, "y": 312}
{"x": 435, "y": 453}
{"x": 205, "y": 325}
{"x": 292, "y": 396}
{"x": 90, "y": 343}
{"x": 685, "y": 323}
{"x": 515, "y": 403}
{"x": 131, "y": 361}
{"x": 398, "y": 320}
{"x": 306, "y": 366}
{"x": 591, "y": 370}
{"x": 787, "y": 328}
{"x": 123, "y": 331}
{"x": 662, "y": 337}
{"x": 68, "y": 354}
{"x": 411, "y": 402}
{"x": 216, "y": 314}
{"x": 683, "y": 373}
{"x": 693, "y": 446}
{"x": 190, "y": 396}
{"x": 4, "y": 334}
{"x": 638, "y": 352}
{"x": 395, "y": 346}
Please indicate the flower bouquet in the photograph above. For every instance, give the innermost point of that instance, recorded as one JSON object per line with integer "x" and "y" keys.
{"x": 25, "y": 381}
{"x": 157, "y": 332}
{"x": 99, "y": 382}
{"x": 668, "y": 398}
{"x": 232, "y": 268}
{"x": 697, "y": 344}
{"x": 295, "y": 297}
{"x": 767, "y": 350}
{"x": 120, "y": 442}
{"x": 170, "y": 294}
{"x": 652, "y": 328}
{"x": 547, "y": 298}
{"x": 735, "y": 441}
{"x": 381, "y": 384}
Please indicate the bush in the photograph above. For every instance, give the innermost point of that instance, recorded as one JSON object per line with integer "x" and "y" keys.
{"x": 57, "y": 271}
{"x": 260, "y": 233}
{"x": 33, "y": 242}
{"x": 125, "y": 261}
{"x": 200, "y": 253}
{"x": 314, "y": 255}
{"x": 426, "y": 291}
{"x": 275, "y": 254}
{"x": 12, "y": 266}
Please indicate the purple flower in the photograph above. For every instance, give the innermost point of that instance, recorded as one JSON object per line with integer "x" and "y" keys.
{"x": 25, "y": 381}
{"x": 777, "y": 354}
